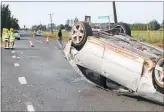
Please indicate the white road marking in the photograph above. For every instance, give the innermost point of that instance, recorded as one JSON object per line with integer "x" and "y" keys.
{"x": 13, "y": 56}
{"x": 18, "y": 57}
{"x": 30, "y": 107}
{"x": 39, "y": 41}
{"x": 22, "y": 80}
{"x": 13, "y": 51}
{"x": 16, "y": 64}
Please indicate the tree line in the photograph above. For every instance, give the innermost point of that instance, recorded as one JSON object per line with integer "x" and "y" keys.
{"x": 7, "y": 19}
{"x": 67, "y": 26}
{"x": 152, "y": 25}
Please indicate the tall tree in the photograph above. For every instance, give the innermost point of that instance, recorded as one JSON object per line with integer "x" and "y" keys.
{"x": 8, "y": 20}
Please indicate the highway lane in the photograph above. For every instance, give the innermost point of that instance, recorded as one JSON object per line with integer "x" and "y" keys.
{"x": 39, "y": 78}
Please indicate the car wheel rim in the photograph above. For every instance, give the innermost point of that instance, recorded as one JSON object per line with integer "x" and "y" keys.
{"x": 159, "y": 75}
{"x": 77, "y": 33}
{"x": 121, "y": 29}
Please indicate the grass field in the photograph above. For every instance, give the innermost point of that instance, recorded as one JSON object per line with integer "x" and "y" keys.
{"x": 149, "y": 36}
{"x": 54, "y": 35}
{"x": 153, "y": 37}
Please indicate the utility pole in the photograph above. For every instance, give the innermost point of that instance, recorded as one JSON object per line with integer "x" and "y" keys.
{"x": 114, "y": 12}
{"x": 51, "y": 22}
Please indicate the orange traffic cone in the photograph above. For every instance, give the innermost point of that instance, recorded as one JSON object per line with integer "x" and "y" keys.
{"x": 31, "y": 44}
{"x": 46, "y": 40}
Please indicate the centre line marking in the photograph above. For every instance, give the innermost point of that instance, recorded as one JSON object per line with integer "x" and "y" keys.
{"x": 13, "y": 51}
{"x": 30, "y": 107}
{"x": 16, "y": 64}
{"x": 13, "y": 56}
{"x": 22, "y": 80}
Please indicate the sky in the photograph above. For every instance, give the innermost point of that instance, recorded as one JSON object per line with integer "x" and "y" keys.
{"x": 31, "y": 13}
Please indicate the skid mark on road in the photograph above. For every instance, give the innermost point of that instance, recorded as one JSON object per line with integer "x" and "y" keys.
{"x": 16, "y": 64}
{"x": 22, "y": 80}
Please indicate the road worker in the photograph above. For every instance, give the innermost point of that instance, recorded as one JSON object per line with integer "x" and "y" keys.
{"x": 6, "y": 38}
{"x": 12, "y": 38}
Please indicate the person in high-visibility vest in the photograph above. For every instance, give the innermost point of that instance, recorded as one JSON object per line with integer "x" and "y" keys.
{"x": 12, "y": 38}
{"x": 6, "y": 38}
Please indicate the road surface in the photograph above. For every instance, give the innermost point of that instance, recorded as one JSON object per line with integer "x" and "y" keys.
{"x": 40, "y": 79}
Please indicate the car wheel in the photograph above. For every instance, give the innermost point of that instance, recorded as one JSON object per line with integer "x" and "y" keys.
{"x": 79, "y": 33}
{"x": 124, "y": 28}
{"x": 158, "y": 76}
{"x": 18, "y": 38}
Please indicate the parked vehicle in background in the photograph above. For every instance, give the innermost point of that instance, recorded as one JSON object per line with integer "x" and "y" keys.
{"x": 39, "y": 33}
{"x": 17, "y": 35}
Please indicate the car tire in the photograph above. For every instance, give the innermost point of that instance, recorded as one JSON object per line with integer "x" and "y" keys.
{"x": 18, "y": 38}
{"x": 125, "y": 28}
{"x": 79, "y": 34}
{"x": 156, "y": 73}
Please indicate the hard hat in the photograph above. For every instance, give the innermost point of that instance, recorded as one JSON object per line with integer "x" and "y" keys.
{"x": 11, "y": 29}
{"x": 4, "y": 30}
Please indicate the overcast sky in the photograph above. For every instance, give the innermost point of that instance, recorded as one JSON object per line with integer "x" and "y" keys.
{"x": 31, "y": 13}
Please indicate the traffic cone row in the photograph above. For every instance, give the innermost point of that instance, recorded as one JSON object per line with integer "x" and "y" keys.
{"x": 32, "y": 45}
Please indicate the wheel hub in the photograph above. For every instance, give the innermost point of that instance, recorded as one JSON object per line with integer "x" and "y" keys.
{"x": 77, "y": 34}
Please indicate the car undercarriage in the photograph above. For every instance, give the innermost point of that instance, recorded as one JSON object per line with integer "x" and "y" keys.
{"x": 114, "y": 60}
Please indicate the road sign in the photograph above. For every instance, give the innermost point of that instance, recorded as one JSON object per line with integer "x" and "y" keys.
{"x": 103, "y": 17}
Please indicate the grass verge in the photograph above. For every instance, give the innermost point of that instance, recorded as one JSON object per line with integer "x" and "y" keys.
{"x": 153, "y": 37}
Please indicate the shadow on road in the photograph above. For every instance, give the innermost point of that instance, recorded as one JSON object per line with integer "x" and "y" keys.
{"x": 23, "y": 39}
{"x": 143, "y": 99}
{"x": 96, "y": 79}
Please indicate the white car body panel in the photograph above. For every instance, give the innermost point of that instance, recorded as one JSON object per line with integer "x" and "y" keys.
{"x": 125, "y": 68}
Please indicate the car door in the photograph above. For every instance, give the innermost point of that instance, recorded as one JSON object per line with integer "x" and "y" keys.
{"x": 91, "y": 55}
{"x": 122, "y": 66}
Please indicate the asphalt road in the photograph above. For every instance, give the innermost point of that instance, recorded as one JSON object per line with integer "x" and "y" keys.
{"x": 39, "y": 78}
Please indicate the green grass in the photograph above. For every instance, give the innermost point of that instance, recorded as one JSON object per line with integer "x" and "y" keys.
{"x": 149, "y": 36}
{"x": 55, "y": 35}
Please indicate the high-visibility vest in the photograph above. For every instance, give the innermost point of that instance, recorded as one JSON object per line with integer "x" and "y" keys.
{"x": 12, "y": 37}
{"x": 3, "y": 36}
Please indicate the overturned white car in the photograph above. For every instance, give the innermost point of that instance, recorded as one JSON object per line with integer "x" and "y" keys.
{"x": 124, "y": 64}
